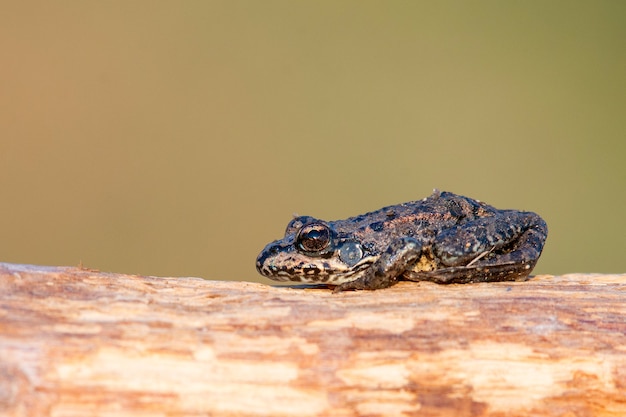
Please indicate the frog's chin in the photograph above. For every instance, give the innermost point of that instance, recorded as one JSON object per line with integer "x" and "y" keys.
{"x": 295, "y": 267}
{"x": 335, "y": 278}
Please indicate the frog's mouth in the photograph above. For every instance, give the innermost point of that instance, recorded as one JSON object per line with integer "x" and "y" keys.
{"x": 283, "y": 263}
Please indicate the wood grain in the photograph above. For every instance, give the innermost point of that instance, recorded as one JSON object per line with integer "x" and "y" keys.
{"x": 75, "y": 342}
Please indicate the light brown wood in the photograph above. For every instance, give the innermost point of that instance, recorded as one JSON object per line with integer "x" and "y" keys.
{"x": 75, "y": 342}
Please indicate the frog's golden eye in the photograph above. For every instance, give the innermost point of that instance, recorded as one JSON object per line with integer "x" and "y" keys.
{"x": 298, "y": 222}
{"x": 314, "y": 237}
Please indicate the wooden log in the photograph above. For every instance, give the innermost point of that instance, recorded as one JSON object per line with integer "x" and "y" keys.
{"x": 76, "y": 342}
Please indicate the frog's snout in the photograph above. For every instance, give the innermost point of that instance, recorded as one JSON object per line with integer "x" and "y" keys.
{"x": 267, "y": 264}
{"x": 261, "y": 260}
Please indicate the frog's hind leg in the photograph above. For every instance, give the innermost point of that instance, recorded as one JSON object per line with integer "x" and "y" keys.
{"x": 504, "y": 247}
{"x": 466, "y": 274}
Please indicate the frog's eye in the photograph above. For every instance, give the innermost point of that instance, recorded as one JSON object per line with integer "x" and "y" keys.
{"x": 313, "y": 237}
{"x": 297, "y": 222}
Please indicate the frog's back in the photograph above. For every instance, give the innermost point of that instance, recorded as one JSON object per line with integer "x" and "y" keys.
{"x": 421, "y": 219}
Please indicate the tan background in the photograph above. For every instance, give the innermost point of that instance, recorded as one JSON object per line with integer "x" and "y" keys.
{"x": 177, "y": 138}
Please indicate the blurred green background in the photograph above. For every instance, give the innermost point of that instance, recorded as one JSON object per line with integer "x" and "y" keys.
{"x": 178, "y": 138}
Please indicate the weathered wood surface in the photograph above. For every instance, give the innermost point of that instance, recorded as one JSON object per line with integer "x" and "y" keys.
{"x": 75, "y": 342}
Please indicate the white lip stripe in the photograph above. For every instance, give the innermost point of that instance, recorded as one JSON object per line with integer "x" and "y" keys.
{"x": 276, "y": 268}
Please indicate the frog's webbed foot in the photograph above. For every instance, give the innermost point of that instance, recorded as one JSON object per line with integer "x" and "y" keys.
{"x": 385, "y": 272}
{"x": 504, "y": 247}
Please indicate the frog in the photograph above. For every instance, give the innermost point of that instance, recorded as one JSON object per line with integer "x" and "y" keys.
{"x": 444, "y": 238}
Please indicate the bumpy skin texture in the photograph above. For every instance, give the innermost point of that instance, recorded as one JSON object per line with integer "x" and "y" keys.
{"x": 444, "y": 238}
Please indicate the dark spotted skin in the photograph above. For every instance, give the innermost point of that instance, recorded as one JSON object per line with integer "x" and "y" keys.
{"x": 444, "y": 238}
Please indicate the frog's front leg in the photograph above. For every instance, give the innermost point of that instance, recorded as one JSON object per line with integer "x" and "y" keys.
{"x": 385, "y": 271}
{"x": 504, "y": 247}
